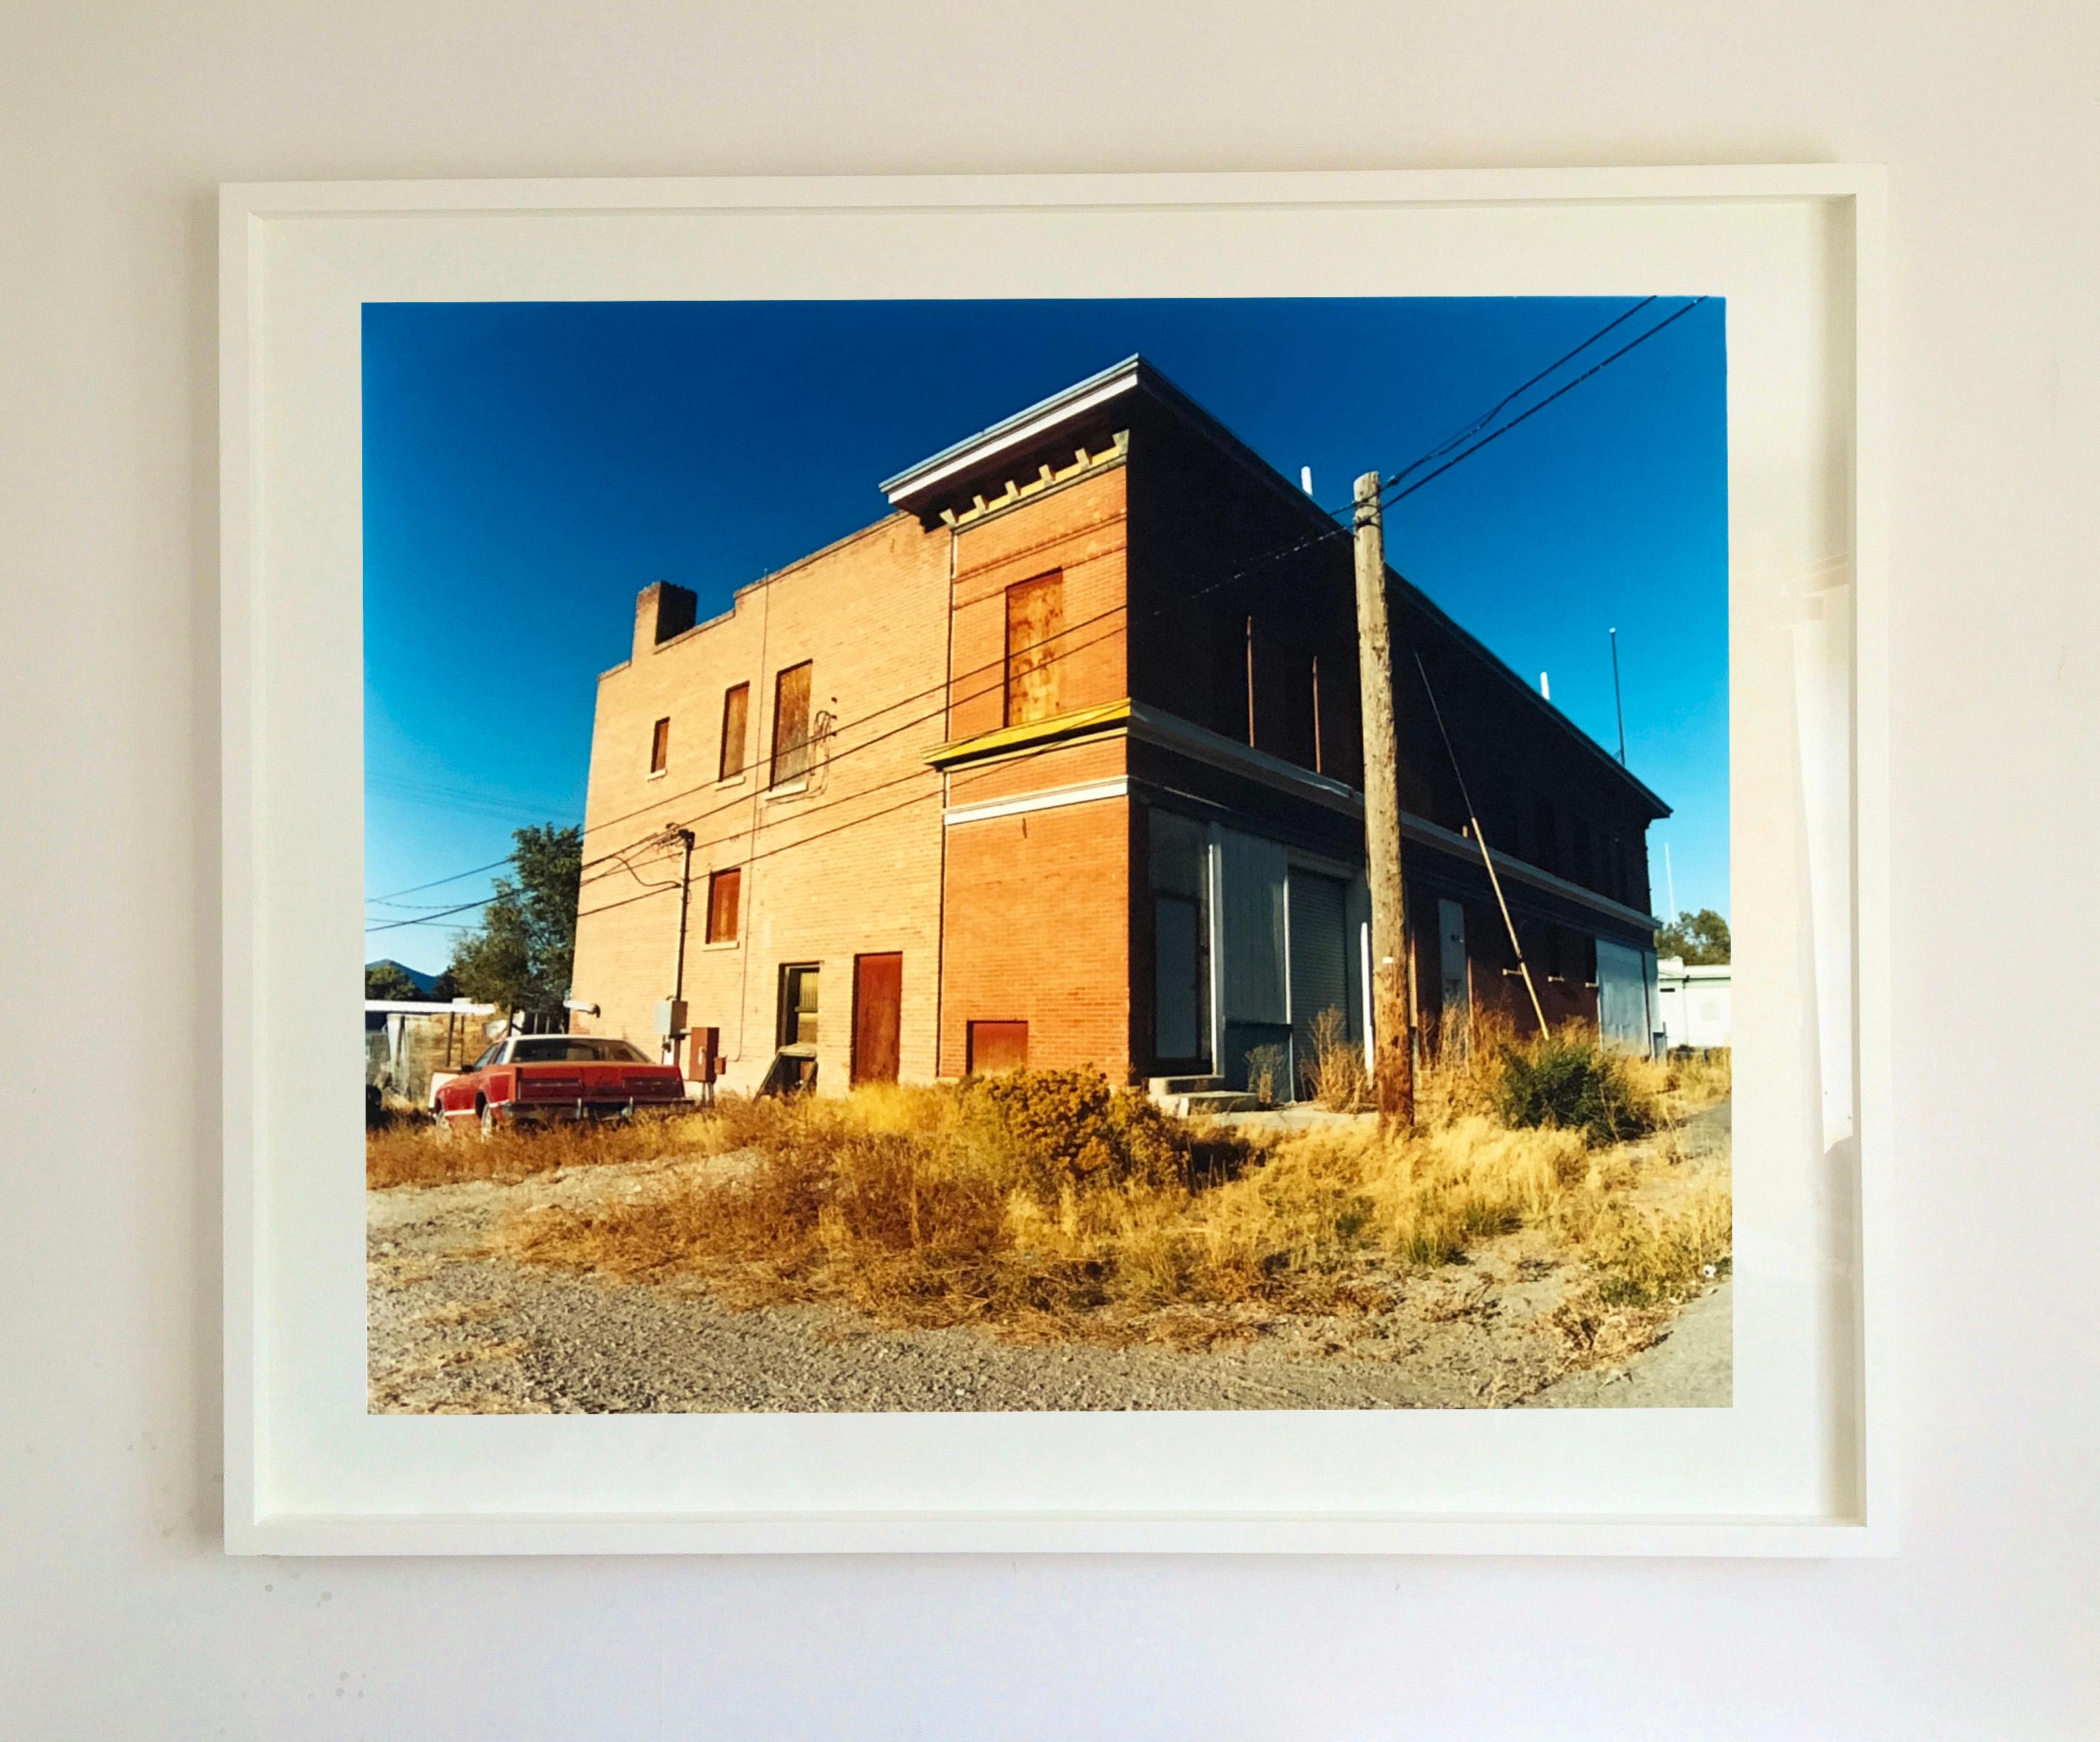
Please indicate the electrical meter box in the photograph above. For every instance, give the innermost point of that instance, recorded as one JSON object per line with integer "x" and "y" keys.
{"x": 670, "y": 1017}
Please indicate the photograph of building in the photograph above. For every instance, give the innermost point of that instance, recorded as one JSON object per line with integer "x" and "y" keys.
{"x": 1059, "y": 764}
{"x": 957, "y": 929}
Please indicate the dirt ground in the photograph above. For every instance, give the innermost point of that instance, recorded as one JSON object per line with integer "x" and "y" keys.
{"x": 455, "y": 1330}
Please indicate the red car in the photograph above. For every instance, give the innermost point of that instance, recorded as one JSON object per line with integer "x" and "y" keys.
{"x": 539, "y": 1077}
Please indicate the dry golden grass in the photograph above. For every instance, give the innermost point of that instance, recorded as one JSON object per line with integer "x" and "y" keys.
{"x": 417, "y": 1151}
{"x": 1045, "y": 1204}
{"x": 1048, "y": 1203}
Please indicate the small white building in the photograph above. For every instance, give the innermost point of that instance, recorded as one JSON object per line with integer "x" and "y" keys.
{"x": 1695, "y": 1003}
{"x": 405, "y": 1041}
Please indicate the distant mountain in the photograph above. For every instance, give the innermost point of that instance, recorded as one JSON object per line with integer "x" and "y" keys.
{"x": 424, "y": 982}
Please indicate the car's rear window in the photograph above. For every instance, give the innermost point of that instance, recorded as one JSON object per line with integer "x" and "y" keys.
{"x": 567, "y": 1049}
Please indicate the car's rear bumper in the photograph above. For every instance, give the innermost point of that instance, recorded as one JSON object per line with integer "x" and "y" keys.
{"x": 569, "y": 1112}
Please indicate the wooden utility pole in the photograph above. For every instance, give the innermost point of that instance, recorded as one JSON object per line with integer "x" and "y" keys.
{"x": 1392, "y": 1065}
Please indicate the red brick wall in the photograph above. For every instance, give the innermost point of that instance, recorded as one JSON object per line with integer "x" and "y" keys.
{"x": 1037, "y": 930}
{"x": 1070, "y": 764}
{"x": 1077, "y": 530}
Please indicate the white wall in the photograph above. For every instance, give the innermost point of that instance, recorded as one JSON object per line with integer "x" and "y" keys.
{"x": 117, "y": 1614}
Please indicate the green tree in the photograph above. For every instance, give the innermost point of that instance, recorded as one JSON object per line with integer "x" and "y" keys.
{"x": 1701, "y": 938}
{"x": 389, "y": 979}
{"x": 521, "y": 956}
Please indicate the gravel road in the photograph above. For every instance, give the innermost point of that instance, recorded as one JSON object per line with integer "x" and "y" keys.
{"x": 454, "y": 1330}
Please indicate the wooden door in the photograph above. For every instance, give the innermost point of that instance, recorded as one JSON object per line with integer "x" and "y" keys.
{"x": 878, "y": 1008}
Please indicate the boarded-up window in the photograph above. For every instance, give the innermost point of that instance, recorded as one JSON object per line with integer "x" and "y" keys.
{"x": 736, "y": 706}
{"x": 997, "y": 1046}
{"x": 790, "y": 724}
{"x": 1035, "y": 617}
{"x": 660, "y": 747}
{"x": 724, "y": 889}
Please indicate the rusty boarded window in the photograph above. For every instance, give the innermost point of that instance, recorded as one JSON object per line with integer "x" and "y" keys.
{"x": 997, "y": 1046}
{"x": 736, "y": 708}
{"x": 660, "y": 747}
{"x": 1034, "y": 666}
{"x": 724, "y": 887}
{"x": 790, "y": 724}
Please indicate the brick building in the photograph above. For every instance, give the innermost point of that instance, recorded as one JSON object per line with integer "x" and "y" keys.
{"x": 1060, "y": 762}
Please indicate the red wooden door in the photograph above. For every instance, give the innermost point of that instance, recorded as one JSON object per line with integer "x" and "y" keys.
{"x": 878, "y": 1007}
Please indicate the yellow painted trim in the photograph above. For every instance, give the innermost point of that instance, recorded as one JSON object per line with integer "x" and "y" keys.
{"x": 1085, "y": 720}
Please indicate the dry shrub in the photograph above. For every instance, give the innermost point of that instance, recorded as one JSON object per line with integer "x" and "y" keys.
{"x": 1266, "y": 1068}
{"x": 1565, "y": 1080}
{"x": 1055, "y": 1131}
{"x": 1338, "y": 1078}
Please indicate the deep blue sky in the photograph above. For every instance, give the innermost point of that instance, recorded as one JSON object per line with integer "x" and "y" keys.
{"x": 529, "y": 467}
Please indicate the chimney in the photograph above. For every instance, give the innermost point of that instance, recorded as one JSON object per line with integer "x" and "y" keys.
{"x": 662, "y": 612}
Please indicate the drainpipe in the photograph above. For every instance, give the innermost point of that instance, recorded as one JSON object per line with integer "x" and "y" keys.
{"x": 685, "y": 902}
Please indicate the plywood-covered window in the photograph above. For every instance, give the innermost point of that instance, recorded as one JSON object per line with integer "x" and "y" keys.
{"x": 724, "y": 890}
{"x": 736, "y": 709}
{"x": 997, "y": 1046}
{"x": 790, "y": 724}
{"x": 660, "y": 747}
{"x": 1035, "y": 619}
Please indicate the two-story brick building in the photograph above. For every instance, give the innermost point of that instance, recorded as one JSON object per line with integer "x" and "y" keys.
{"x": 1060, "y": 762}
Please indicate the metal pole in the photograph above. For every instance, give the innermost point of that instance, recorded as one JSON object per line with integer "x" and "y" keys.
{"x": 1393, "y": 1068}
{"x": 1480, "y": 840}
{"x": 1618, "y": 704}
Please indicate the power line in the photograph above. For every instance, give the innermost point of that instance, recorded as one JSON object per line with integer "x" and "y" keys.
{"x": 835, "y": 757}
{"x": 437, "y": 883}
{"x": 396, "y": 925}
{"x": 1489, "y": 416}
{"x": 804, "y": 840}
{"x": 876, "y": 713}
{"x": 1532, "y": 412}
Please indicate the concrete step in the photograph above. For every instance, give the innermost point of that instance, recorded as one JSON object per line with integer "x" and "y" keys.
{"x": 1208, "y": 1101}
{"x": 1156, "y": 1087}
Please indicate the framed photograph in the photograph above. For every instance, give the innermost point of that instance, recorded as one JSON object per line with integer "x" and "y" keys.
{"x": 1056, "y": 863}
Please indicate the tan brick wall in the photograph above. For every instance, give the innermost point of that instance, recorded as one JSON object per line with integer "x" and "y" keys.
{"x": 1039, "y": 932}
{"x": 851, "y": 864}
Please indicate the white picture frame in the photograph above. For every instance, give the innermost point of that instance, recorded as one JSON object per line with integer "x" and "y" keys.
{"x": 1803, "y": 1464}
